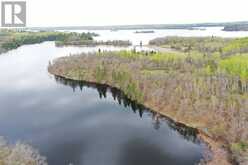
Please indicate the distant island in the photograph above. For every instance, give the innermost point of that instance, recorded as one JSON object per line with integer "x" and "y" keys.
{"x": 236, "y": 27}
{"x": 113, "y": 30}
{"x": 145, "y": 31}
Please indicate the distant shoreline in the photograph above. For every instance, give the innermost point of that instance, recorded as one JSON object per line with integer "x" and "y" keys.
{"x": 142, "y": 27}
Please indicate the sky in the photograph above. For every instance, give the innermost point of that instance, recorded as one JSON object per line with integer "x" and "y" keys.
{"x": 123, "y": 12}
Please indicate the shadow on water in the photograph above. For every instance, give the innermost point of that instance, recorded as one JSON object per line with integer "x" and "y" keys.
{"x": 187, "y": 133}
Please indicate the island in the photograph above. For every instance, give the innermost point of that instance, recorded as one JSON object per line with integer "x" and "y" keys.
{"x": 145, "y": 31}
{"x": 236, "y": 27}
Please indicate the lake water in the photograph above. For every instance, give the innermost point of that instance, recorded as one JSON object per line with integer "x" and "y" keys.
{"x": 82, "y": 123}
{"x": 146, "y": 37}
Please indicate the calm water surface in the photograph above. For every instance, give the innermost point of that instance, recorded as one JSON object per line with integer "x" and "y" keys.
{"x": 82, "y": 123}
{"x": 146, "y": 37}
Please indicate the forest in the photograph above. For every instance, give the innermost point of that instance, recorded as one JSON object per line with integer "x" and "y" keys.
{"x": 203, "y": 84}
{"x": 12, "y": 39}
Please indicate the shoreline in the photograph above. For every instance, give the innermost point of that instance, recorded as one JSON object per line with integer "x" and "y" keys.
{"x": 220, "y": 155}
{"x": 174, "y": 86}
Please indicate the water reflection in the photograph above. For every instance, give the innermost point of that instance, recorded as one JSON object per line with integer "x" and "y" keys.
{"x": 186, "y": 132}
{"x": 96, "y": 126}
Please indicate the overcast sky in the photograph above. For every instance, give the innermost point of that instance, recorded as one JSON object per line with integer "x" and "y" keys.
{"x": 121, "y": 12}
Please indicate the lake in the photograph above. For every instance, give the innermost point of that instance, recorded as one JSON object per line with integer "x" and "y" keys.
{"x": 84, "y": 123}
{"x": 135, "y": 38}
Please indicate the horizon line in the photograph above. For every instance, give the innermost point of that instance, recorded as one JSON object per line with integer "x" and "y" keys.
{"x": 148, "y": 24}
